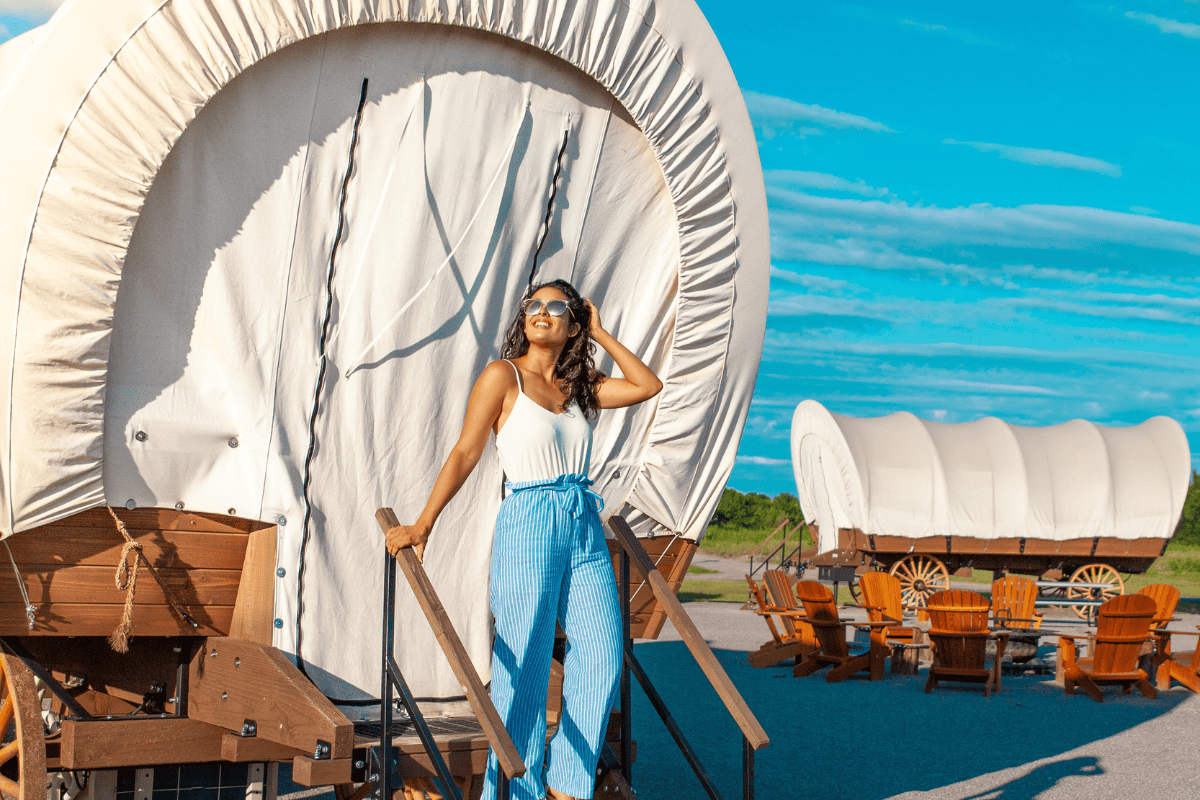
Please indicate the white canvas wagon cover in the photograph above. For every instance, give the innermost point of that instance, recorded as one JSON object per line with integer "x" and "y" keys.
{"x": 176, "y": 176}
{"x": 902, "y": 476}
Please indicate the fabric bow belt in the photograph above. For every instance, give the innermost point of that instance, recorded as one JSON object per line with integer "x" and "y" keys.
{"x": 580, "y": 499}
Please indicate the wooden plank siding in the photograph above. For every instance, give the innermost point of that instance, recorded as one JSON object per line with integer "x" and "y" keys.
{"x": 68, "y": 568}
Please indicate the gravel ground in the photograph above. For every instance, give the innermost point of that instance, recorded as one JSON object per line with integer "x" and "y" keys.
{"x": 888, "y": 739}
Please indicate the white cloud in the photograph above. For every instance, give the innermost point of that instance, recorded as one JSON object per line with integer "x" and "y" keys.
{"x": 769, "y": 111}
{"x": 1043, "y": 158}
{"x": 1031, "y": 226}
{"x": 815, "y": 282}
{"x": 879, "y": 256}
{"x": 763, "y": 461}
{"x": 789, "y": 346}
{"x": 993, "y": 388}
{"x": 1143, "y": 210}
{"x": 1099, "y": 278}
{"x": 1188, "y": 29}
{"x": 796, "y": 179}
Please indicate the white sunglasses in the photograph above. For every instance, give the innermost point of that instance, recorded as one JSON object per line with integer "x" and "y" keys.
{"x": 555, "y": 308}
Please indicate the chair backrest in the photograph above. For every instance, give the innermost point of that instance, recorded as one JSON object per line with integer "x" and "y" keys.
{"x": 1122, "y": 625}
{"x": 1014, "y": 598}
{"x": 764, "y": 607}
{"x": 779, "y": 593}
{"x": 954, "y": 610}
{"x": 1165, "y": 597}
{"x": 881, "y": 595}
{"x": 822, "y": 614}
{"x": 958, "y": 628}
{"x": 779, "y": 588}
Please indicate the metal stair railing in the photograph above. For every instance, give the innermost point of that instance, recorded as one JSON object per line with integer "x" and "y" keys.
{"x": 387, "y": 777}
{"x": 753, "y": 736}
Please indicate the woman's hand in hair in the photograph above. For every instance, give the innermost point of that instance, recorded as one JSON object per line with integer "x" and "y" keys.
{"x": 402, "y": 536}
{"x": 594, "y": 325}
{"x": 639, "y": 384}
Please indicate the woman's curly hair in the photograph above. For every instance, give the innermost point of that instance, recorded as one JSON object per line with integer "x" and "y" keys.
{"x": 576, "y": 370}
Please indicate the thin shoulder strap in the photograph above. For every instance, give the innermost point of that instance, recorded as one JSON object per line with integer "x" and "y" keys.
{"x": 514, "y": 366}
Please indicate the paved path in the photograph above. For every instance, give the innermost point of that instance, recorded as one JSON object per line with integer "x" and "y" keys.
{"x": 888, "y": 739}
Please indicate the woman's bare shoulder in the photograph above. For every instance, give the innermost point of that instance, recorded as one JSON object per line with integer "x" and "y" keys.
{"x": 500, "y": 374}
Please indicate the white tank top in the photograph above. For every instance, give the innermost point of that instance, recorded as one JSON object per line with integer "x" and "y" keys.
{"x": 536, "y": 444}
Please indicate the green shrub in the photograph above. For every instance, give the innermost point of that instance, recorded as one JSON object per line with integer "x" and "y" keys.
{"x": 1188, "y": 535}
{"x": 1185, "y": 566}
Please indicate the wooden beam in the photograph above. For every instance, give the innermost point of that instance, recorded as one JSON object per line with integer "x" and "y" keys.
{"x": 66, "y": 583}
{"x": 102, "y": 547}
{"x": 251, "y": 748}
{"x": 94, "y": 619}
{"x": 254, "y": 610}
{"x": 232, "y": 680}
{"x": 152, "y": 519}
{"x": 308, "y": 771}
{"x": 107, "y": 744}
{"x": 695, "y": 642}
{"x": 477, "y": 696}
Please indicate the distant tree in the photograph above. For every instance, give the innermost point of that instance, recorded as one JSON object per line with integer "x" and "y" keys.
{"x": 754, "y": 510}
{"x": 1189, "y": 524}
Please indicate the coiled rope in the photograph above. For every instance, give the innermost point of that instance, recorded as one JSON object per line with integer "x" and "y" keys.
{"x": 126, "y": 580}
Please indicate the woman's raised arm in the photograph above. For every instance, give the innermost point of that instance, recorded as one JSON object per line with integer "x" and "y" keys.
{"x": 639, "y": 384}
{"x": 483, "y": 409}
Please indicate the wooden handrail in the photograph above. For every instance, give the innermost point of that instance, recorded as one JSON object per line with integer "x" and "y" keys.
{"x": 456, "y": 654}
{"x": 782, "y": 524}
{"x": 640, "y": 559}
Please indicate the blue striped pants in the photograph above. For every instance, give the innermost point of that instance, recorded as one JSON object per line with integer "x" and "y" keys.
{"x": 549, "y": 562}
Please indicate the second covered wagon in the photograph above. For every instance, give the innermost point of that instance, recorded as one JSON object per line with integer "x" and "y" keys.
{"x": 923, "y": 499}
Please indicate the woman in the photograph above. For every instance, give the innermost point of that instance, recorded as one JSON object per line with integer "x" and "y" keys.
{"x": 549, "y": 559}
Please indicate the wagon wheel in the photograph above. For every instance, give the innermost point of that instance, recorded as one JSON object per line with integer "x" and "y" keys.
{"x": 1094, "y": 573}
{"x": 23, "y": 743}
{"x": 920, "y": 576}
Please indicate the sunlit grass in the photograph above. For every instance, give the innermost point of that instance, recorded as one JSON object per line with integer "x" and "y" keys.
{"x": 734, "y": 542}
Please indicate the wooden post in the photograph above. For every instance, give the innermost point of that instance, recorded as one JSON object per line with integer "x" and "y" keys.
{"x": 456, "y": 654}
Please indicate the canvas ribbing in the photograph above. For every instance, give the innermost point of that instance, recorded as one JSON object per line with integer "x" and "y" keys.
{"x": 550, "y": 563}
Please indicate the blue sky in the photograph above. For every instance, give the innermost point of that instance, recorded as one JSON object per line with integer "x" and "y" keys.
{"x": 976, "y": 209}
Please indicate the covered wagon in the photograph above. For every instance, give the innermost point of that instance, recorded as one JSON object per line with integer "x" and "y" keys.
{"x": 252, "y": 255}
{"x": 923, "y": 499}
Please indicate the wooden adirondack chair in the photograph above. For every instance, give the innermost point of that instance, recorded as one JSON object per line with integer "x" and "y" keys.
{"x": 881, "y": 599}
{"x": 1166, "y": 598}
{"x": 833, "y": 649}
{"x": 797, "y": 638}
{"x": 1122, "y": 627}
{"x": 1181, "y": 667}
{"x": 959, "y": 635}
{"x": 1014, "y": 604}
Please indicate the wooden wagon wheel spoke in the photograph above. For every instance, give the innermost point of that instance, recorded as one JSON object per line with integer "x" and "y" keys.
{"x": 1094, "y": 573}
{"x": 23, "y": 748}
{"x": 920, "y": 576}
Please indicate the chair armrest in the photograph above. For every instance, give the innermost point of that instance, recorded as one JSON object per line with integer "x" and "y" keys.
{"x": 1072, "y": 637}
{"x": 1164, "y": 632}
{"x": 845, "y": 622}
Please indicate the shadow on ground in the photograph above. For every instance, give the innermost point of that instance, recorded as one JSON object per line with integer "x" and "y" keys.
{"x": 870, "y": 741}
